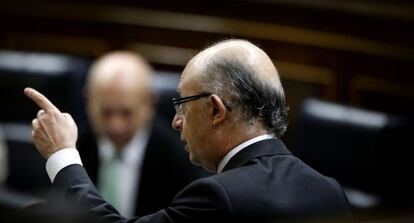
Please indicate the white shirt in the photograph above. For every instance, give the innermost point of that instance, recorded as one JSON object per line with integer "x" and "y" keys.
{"x": 238, "y": 148}
{"x": 132, "y": 158}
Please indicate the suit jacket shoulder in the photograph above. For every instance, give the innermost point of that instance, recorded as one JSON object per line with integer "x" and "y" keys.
{"x": 262, "y": 183}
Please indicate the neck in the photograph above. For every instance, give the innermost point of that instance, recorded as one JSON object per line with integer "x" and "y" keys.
{"x": 239, "y": 135}
{"x": 240, "y": 147}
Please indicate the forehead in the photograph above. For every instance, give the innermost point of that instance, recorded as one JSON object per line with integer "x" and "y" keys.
{"x": 115, "y": 96}
{"x": 188, "y": 82}
{"x": 114, "y": 99}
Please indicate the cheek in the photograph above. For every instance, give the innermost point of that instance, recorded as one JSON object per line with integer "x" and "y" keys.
{"x": 132, "y": 124}
{"x": 143, "y": 115}
{"x": 195, "y": 132}
{"x": 95, "y": 116}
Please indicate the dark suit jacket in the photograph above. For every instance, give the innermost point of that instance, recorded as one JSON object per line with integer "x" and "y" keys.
{"x": 261, "y": 183}
{"x": 165, "y": 171}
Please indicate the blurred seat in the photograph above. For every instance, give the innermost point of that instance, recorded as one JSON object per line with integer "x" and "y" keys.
{"x": 26, "y": 181}
{"x": 363, "y": 150}
{"x": 60, "y": 77}
{"x": 26, "y": 167}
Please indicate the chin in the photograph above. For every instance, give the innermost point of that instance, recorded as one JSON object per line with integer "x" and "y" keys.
{"x": 194, "y": 161}
{"x": 119, "y": 144}
{"x": 120, "y": 140}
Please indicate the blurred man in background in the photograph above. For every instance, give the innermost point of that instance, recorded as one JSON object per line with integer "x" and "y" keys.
{"x": 135, "y": 160}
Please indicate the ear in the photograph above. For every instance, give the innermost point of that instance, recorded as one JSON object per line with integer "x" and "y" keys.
{"x": 219, "y": 112}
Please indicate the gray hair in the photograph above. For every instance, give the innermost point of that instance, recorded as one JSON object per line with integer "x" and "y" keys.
{"x": 238, "y": 86}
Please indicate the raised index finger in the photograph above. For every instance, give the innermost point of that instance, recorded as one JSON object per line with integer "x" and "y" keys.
{"x": 40, "y": 100}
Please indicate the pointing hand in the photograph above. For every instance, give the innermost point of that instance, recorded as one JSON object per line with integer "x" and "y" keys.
{"x": 51, "y": 129}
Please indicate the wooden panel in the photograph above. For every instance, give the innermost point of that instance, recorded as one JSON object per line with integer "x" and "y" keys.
{"x": 315, "y": 56}
{"x": 310, "y": 75}
{"x": 167, "y": 55}
{"x": 383, "y": 95}
{"x": 78, "y": 45}
{"x": 212, "y": 24}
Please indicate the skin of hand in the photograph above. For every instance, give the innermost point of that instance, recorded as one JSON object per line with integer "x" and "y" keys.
{"x": 52, "y": 130}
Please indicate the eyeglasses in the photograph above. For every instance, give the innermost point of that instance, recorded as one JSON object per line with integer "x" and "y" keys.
{"x": 177, "y": 102}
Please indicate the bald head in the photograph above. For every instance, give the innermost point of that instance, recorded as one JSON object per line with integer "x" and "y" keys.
{"x": 245, "y": 78}
{"x": 238, "y": 96}
{"x": 242, "y": 52}
{"x": 119, "y": 69}
{"x": 118, "y": 96}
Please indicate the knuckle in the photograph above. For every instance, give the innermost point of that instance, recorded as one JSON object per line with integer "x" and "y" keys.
{"x": 35, "y": 134}
{"x": 40, "y": 112}
{"x": 41, "y": 119}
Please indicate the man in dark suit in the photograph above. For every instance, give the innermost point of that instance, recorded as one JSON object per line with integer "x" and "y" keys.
{"x": 120, "y": 107}
{"x": 230, "y": 116}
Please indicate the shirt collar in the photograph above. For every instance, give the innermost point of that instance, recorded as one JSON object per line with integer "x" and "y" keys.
{"x": 238, "y": 148}
{"x": 130, "y": 152}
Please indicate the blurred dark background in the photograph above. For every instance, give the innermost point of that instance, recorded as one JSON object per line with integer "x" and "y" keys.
{"x": 353, "y": 58}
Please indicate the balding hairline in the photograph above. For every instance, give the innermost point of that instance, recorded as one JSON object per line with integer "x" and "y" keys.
{"x": 245, "y": 52}
{"x": 204, "y": 57}
{"x": 114, "y": 66}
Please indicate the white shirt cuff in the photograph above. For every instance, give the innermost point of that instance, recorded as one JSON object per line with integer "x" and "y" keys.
{"x": 61, "y": 159}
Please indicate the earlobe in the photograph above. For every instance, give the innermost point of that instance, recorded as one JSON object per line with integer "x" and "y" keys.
{"x": 219, "y": 112}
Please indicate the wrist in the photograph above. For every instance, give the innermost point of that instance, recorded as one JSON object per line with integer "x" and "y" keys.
{"x": 61, "y": 159}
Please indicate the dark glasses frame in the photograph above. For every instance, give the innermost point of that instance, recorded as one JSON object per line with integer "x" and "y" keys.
{"x": 178, "y": 101}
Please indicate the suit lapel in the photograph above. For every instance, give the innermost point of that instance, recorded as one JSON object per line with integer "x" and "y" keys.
{"x": 266, "y": 147}
{"x": 146, "y": 176}
{"x": 88, "y": 149}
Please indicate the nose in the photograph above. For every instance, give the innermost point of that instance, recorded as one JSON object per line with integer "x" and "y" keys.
{"x": 116, "y": 125}
{"x": 177, "y": 122}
